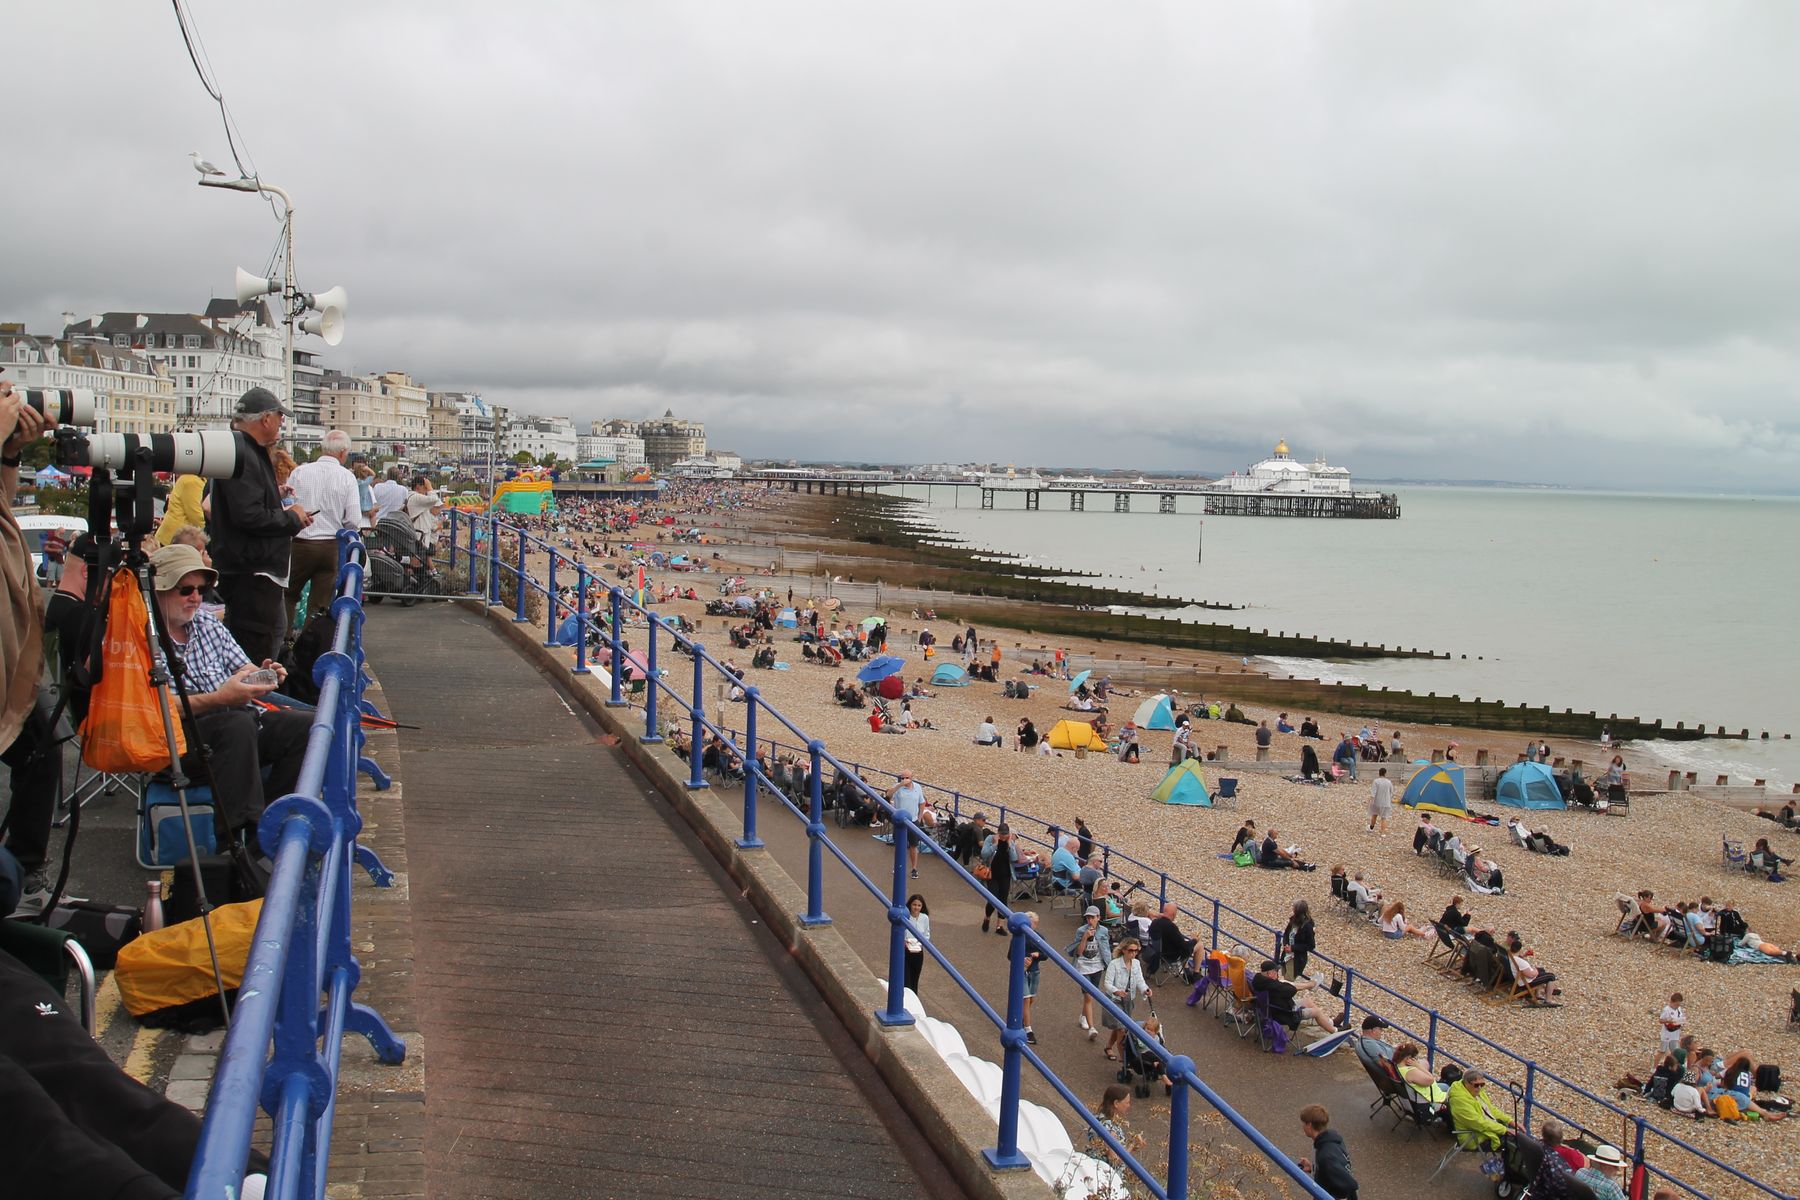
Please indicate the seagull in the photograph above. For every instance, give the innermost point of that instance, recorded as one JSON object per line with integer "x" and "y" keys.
{"x": 204, "y": 167}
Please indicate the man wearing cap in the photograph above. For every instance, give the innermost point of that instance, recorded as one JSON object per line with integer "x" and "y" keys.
{"x": 1371, "y": 1048}
{"x": 214, "y": 671}
{"x": 1606, "y": 1166}
{"x": 326, "y": 488}
{"x": 252, "y": 534}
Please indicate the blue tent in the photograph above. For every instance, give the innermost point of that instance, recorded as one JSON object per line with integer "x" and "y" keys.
{"x": 1155, "y": 713}
{"x": 1528, "y": 785}
{"x": 1437, "y": 787}
{"x": 950, "y": 675}
{"x": 787, "y": 619}
{"x": 1183, "y": 785}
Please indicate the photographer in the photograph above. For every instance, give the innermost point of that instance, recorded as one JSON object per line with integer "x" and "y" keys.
{"x": 215, "y": 671}
{"x": 24, "y": 726}
{"x": 252, "y": 534}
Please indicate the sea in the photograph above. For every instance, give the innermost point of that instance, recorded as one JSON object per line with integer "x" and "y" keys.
{"x": 1681, "y": 607}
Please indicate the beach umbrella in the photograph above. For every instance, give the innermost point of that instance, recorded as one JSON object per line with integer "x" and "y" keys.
{"x": 870, "y": 622}
{"x": 632, "y": 664}
{"x": 881, "y": 668}
{"x": 743, "y": 602}
{"x": 833, "y": 604}
{"x": 1079, "y": 679}
{"x": 892, "y": 688}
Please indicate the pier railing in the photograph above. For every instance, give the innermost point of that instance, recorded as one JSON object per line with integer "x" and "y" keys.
{"x": 1540, "y": 1092}
{"x": 295, "y": 1002}
{"x": 680, "y": 701}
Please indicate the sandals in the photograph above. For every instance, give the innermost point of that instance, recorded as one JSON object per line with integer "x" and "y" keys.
{"x": 1112, "y": 1056}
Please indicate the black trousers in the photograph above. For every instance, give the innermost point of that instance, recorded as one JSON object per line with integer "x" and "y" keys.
{"x": 314, "y": 562}
{"x": 36, "y": 766}
{"x": 243, "y": 742}
{"x": 255, "y": 614}
{"x": 77, "y": 1127}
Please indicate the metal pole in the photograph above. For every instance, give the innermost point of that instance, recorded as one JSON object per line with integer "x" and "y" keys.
{"x": 1162, "y": 891}
{"x": 450, "y": 564}
{"x": 550, "y": 596}
{"x": 493, "y": 560}
{"x": 896, "y": 1013}
{"x": 1179, "y": 1068}
{"x": 581, "y": 622}
{"x": 696, "y": 775}
{"x": 1006, "y": 1156}
{"x": 519, "y": 616}
{"x": 1215, "y": 925}
{"x": 750, "y": 841}
{"x": 617, "y": 699}
{"x": 815, "y": 831}
{"x": 1349, "y": 979}
{"x": 1530, "y": 1090}
{"x": 474, "y": 559}
{"x": 1431, "y": 1041}
{"x": 650, "y": 734}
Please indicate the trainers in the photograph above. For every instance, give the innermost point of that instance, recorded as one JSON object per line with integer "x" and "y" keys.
{"x": 34, "y": 894}
{"x": 915, "y": 872}
{"x": 1083, "y": 1022}
{"x": 1030, "y": 1037}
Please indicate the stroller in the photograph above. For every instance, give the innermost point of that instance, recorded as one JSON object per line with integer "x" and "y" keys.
{"x": 1139, "y": 1068}
{"x": 397, "y": 563}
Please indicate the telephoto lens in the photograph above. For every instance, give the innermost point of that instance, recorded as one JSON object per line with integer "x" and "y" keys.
{"x": 65, "y": 406}
{"x": 212, "y": 454}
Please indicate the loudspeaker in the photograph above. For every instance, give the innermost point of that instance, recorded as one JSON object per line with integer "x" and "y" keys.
{"x": 325, "y": 301}
{"x": 249, "y": 286}
{"x": 329, "y": 325}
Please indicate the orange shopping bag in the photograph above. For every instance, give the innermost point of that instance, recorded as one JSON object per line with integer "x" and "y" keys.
{"x": 124, "y": 728}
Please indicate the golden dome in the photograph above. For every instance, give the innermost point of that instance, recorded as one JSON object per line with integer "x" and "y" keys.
{"x": 1281, "y": 447}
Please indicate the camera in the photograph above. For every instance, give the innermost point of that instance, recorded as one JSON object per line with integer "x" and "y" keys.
{"x": 211, "y": 454}
{"x": 65, "y": 406}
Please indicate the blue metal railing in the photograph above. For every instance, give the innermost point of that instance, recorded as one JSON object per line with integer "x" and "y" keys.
{"x": 295, "y": 1002}
{"x": 1223, "y": 922}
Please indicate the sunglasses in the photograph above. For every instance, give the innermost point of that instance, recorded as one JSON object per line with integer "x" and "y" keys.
{"x": 189, "y": 589}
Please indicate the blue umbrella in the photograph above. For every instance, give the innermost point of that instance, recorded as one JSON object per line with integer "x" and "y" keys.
{"x": 1078, "y": 681}
{"x": 881, "y": 668}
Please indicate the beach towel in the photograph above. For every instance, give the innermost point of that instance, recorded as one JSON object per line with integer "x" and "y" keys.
{"x": 1743, "y": 954}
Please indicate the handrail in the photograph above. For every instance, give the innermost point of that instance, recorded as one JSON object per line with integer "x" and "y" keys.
{"x": 301, "y": 948}
{"x": 1212, "y": 911}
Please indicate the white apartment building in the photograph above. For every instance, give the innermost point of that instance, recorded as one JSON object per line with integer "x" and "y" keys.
{"x": 622, "y": 451}
{"x": 132, "y": 393}
{"x": 211, "y": 362}
{"x": 540, "y": 436}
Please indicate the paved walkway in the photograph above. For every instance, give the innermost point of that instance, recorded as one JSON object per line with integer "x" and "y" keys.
{"x": 604, "y": 1015}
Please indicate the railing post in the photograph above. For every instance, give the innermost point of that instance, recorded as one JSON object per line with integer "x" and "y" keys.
{"x": 474, "y": 558}
{"x": 1162, "y": 891}
{"x": 1431, "y": 1041}
{"x": 1006, "y": 1156}
{"x": 450, "y": 563}
{"x": 956, "y": 805}
{"x": 519, "y": 617}
{"x": 895, "y": 1013}
{"x": 1349, "y": 979}
{"x": 617, "y": 600}
{"x": 550, "y": 601}
{"x": 493, "y": 580}
{"x": 750, "y": 841}
{"x": 581, "y": 620}
{"x": 1637, "y": 1143}
{"x": 1179, "y": 1069}
{"x": 1106, "y": 862}
{"x": 1530, "y": 1090}
{"x": 650, "y": 734}
{"x": 1215, "y": 923}
{"x": 1002, "y": 820}
{"x": 815, "y": 833}
{"x": 697, "y": 775}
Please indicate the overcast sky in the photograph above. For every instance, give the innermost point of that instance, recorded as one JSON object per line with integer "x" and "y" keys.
{"x": 1524, "y": 241}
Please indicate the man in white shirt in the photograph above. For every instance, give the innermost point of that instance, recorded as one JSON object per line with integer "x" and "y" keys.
{"x": 390, "y": 494}
{"x": 326, "y": 489}
{"x": 988, "y": 734}
{"x": 907, "y": 797}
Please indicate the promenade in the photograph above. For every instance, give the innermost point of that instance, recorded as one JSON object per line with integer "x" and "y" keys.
{"x": 604, "y": 1016}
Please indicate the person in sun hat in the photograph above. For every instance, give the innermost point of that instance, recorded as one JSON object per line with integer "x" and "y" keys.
{"x": 1604, "y": 1172}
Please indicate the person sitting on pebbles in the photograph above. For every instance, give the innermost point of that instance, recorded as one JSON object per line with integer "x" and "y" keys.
{"x": 1276, "y": 858}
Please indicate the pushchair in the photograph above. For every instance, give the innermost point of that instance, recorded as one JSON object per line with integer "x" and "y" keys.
{"x": 1139, "y": 1067}
{"x": 398, "y": 564}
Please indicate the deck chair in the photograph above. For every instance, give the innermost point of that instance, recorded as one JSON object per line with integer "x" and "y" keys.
{"x": 1734, "y": 856}
{"x": 1631, "y": 920}
{"x": 52, "y": 955}
{"x": 1446, "y": 953}
{"x": 1519, "y": 838}
{"x": 1484, "y": 967}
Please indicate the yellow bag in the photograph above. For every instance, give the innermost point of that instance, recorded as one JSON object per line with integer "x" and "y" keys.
{"x": 171, "y": 966}
{"x": 123, "y": 732}
{"x": 1727, "y": 1109}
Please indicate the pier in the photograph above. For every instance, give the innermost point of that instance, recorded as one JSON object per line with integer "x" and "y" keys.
{"x": 1215, "y": 501}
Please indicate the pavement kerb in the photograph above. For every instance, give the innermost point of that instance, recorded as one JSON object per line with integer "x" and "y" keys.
{"x": 957, "y": 1126}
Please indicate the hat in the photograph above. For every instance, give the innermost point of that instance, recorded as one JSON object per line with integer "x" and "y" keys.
{"x": 260, "y": 400}
{"x": 1607, "y": 1156}
{"x": 1092, "y": 911}
{"x": 172, "y": 562}
{"x": 1374, "y": 1023}
{"x": 1269, "y": 964}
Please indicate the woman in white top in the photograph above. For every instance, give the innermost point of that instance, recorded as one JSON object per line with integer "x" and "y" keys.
{"x": 1395, "y": 925}
{"x": 920, "y": 916}
{"x": 1124, "y": 983}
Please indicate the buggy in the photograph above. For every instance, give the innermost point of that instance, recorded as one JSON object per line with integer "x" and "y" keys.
{"x": 1140, "y": 1068}
{"x": 398, "y": 563}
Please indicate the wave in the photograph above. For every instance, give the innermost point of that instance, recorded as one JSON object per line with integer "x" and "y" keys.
{"x": 1310, "y": 668}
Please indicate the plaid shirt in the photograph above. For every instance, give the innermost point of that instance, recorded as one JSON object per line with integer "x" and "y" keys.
{"x": 210, "y": 655}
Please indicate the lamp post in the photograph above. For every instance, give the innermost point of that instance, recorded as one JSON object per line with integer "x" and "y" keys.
{"x": 330, "y": 305}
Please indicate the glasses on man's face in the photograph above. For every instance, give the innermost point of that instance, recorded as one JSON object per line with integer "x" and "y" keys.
{"x": 190, "y": 589}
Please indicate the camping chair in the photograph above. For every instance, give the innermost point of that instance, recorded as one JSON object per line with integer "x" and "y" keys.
{"x": 1226, "y": 794}
{"x": 1211, "y": 988}
{"x": 1447, "y": 953}
{"x": 1734, "y": 856}
{"x": 1447, "y": 861}
{"x": 1390, "y": 1093}
{"x": 1340, "y": 895}
{"x": 1239, "y": 1011}
{"x": 1270, "y": 1033}
{"x": 1462, "y": 1141}
{"x": 51, "y": 954}
{"x": 1519, "y": 837}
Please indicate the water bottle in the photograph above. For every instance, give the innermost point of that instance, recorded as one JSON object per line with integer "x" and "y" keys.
{"x": 153, "y": 913}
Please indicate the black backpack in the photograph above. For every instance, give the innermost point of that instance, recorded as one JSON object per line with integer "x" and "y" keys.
{"x": 1719, "y": 947}
{"x": 1768, "y": 1078}
{"x": 314, "y": 640}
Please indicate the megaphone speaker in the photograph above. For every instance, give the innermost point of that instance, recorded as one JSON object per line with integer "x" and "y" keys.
{"x": 336, "y": 298}
{"x": 328, "y": 325}
{"x": 249, "y": 286}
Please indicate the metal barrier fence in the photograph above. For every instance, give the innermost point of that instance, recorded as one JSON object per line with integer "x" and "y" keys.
{"x": 485, "y": 569}
{"x": 300, "y": 975}
{"x": 1440, "y": 1036}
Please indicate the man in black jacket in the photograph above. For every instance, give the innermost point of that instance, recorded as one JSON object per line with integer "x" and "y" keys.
{"x": 1330, "y": 1163}
{"x": 252, "y": 534}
